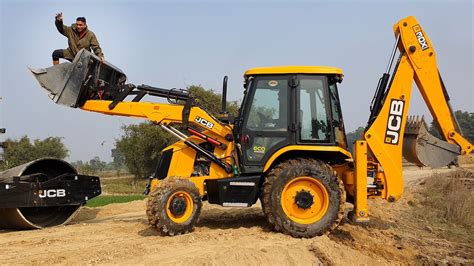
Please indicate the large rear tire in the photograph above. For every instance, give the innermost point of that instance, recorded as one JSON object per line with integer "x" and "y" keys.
{"x": 303, "y": 198}
{"x": 174, "y": 206}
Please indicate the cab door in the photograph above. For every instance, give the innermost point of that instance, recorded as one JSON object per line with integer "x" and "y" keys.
{"x": 265, "y": 127}
{"x": 314, "y": 116}
{"x": 319, "y": 118}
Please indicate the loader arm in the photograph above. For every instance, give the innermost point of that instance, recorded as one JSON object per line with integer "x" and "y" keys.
{"x": 383, "y": 141}
{"x": 162, "y": 114}
{"x": 165, "y": 115}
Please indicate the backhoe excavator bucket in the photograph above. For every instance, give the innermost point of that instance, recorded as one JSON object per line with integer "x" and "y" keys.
{"x": 87, "y": 77}
{"x": 424, "y": 149}
{"x": 43, "y": 193}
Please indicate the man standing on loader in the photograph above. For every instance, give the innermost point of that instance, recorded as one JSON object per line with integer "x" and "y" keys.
{"x": 78, "y": 37}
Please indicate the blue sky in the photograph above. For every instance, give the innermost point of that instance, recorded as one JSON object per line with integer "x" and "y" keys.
{"x": 179, "y": 43}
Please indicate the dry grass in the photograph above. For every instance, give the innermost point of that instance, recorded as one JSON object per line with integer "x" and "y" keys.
{"x": 450, "y": 197}
{"x": 114, "y": 173}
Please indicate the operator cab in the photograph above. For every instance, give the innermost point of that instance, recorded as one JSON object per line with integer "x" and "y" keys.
{"x": 289, "y": 105}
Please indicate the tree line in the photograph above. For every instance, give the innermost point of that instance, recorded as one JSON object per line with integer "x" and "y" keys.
{"x": 23, "y": 150}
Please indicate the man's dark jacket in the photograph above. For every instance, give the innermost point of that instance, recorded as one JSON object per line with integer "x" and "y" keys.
{"x": 76, "y": 43}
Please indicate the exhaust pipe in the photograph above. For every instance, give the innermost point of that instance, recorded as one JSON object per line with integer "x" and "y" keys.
{"x": 224, "y": 95}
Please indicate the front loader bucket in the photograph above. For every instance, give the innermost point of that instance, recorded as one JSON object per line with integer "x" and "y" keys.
{"x": 43, "y": 193}
{"x": 71, "y": 84}
{"x": 424, "y": 149}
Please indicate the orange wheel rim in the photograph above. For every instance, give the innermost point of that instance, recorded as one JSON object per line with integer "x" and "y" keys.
{"x": 312, "y": 193}
{"x": 189, "y": 207}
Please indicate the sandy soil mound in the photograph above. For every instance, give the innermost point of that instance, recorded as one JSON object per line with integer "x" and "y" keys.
{"x": 119, "y": 233}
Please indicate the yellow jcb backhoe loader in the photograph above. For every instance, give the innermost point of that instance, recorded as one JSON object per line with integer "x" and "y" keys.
{"x": 287, "y": 146}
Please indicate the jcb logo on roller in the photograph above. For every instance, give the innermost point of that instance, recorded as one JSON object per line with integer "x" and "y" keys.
{"x": 394, "y": 124}
{"x": 203, "y": 122}
{"x": 52, "y": 193}
{"x": 421, "y": 38}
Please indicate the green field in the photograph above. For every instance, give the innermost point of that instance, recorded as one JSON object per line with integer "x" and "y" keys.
{"x": 118, "y": 189}
{"x": 109, "y": 199}
{"x": 124, "y": 185}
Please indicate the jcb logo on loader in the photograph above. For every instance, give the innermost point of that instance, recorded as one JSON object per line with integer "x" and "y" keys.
{"x": 421, "y": 38}
{"x": 394, "y": 124}
{"x": 52, "y": 193}
{"x": 203, "y": 122}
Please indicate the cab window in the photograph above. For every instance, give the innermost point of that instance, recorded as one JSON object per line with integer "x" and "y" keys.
{"x": 269, "y": 106}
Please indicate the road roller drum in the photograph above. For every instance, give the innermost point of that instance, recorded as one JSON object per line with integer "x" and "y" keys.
{"x": 43, "y": 193}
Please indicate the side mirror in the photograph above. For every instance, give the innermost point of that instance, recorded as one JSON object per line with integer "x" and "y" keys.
{"x": 224, "y": 95}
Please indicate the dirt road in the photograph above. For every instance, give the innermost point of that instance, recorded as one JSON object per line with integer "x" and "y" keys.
{"x": 119, "y": 233}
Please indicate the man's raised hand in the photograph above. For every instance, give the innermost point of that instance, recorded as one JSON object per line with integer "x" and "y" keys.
{"x": 59, "y": 16}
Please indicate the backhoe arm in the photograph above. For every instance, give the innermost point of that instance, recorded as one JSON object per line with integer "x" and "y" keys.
{"x": 379, "y": 154}
{"x": 415, "y": 43}
{"x": 385, "y": 135}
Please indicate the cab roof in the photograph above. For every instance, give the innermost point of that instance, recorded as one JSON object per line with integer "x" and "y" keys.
{"x": 293, "y": 70}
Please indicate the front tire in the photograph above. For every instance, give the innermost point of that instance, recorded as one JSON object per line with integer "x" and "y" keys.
{"x": 174, "y": 206}
{"x": 303, "y": 198}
